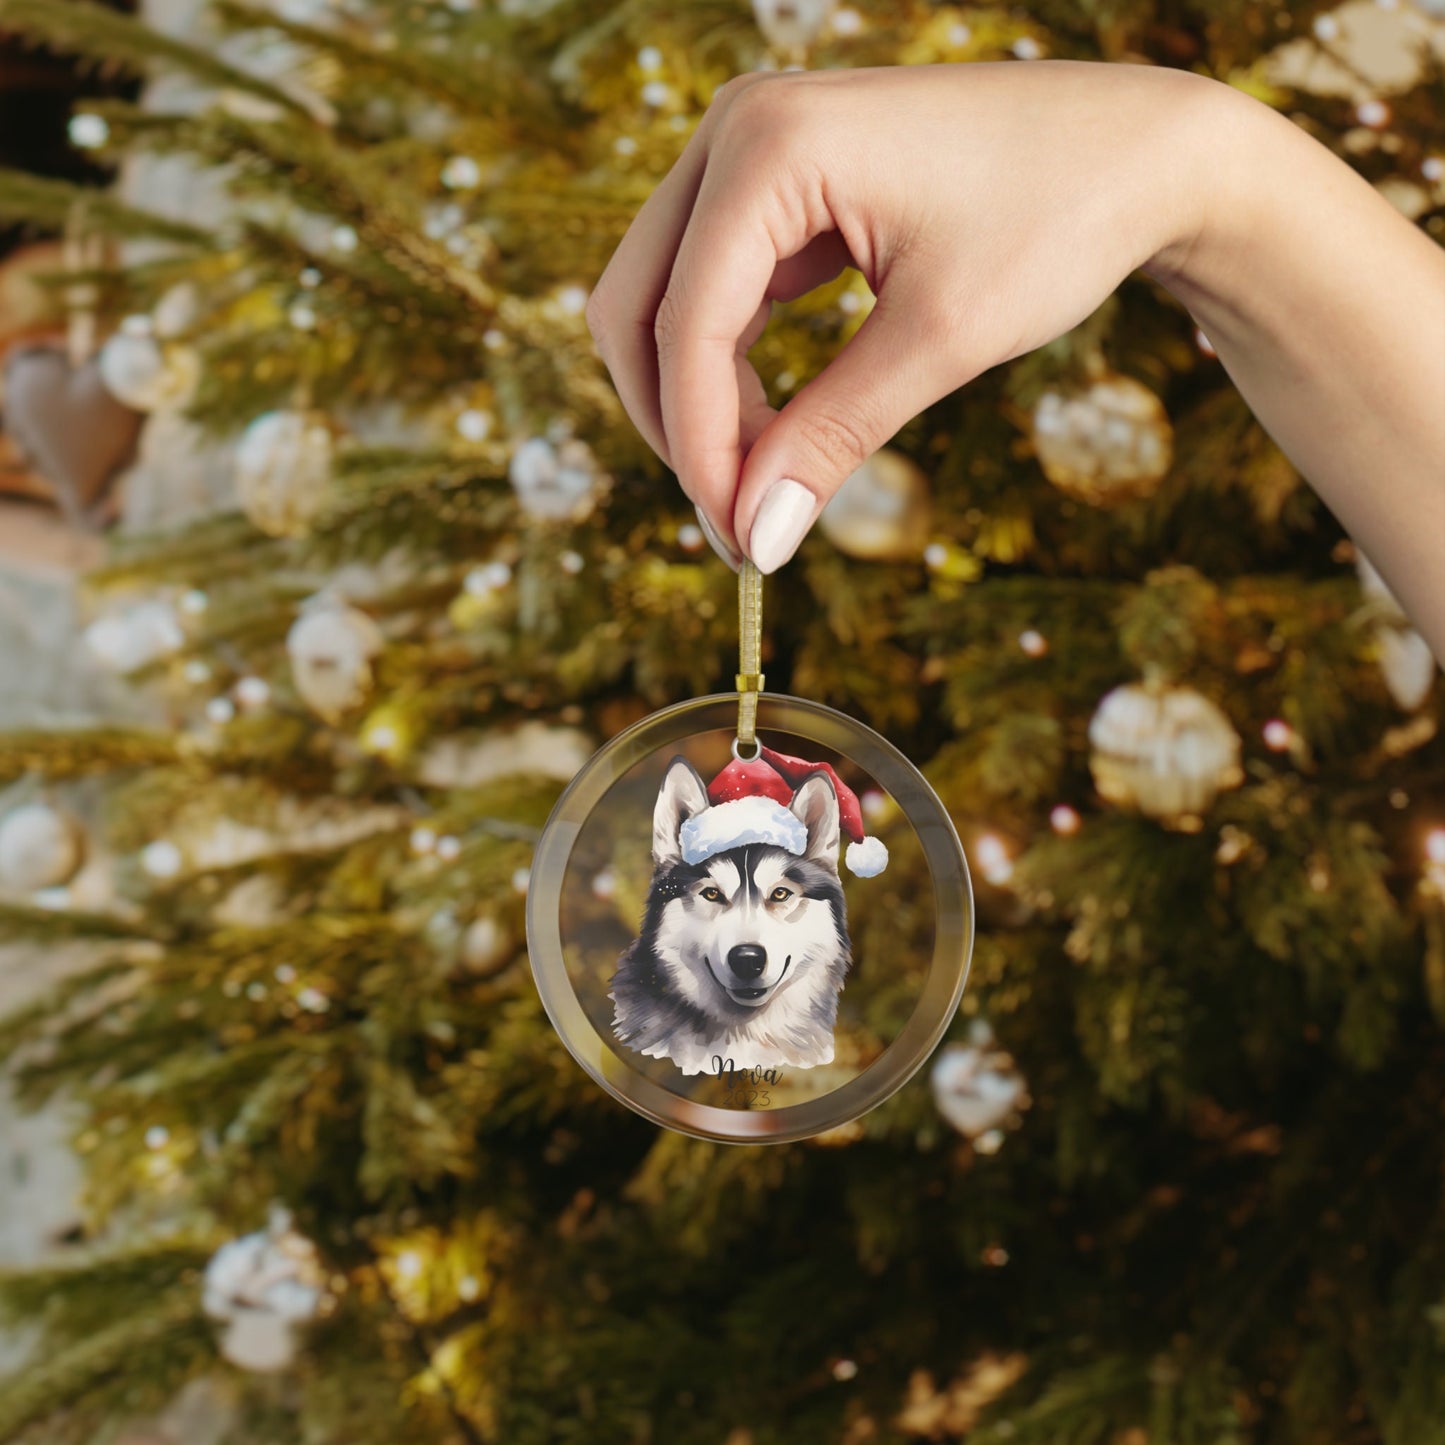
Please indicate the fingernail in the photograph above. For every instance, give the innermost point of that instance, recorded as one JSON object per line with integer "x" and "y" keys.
{"x": 716, "y": 542}
{"x": 781, "y": 524}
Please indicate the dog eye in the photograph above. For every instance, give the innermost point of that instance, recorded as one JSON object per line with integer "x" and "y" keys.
{"x": 780, "y": 893}
{"x": 713, "y": 895}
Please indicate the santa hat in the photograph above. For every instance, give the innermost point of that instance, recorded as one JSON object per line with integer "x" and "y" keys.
{"x": 749, "y": 804}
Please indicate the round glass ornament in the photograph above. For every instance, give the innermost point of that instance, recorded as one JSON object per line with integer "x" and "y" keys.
{"x": 720, "y": 933}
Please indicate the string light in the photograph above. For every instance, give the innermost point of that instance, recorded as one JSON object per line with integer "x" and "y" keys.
{"x": 1278, "y": 735}
{"x": 1033, "y": 642}
{"x": 1064, "y": 820}
{"x": 1435, "y": 846}
{"x": 993, "y": 859}
{"x": 161, "y": 859}
{"x": 88, "y": 132}
{"x": 474, "y": 425}
{"x": 252, "y": 692}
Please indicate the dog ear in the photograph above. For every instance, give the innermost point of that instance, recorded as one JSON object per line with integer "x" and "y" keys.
{"x": 682, "y": 796}
{"x": 816, "y": 804}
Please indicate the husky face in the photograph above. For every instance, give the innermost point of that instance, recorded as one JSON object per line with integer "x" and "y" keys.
{"x": 742, "y": 954}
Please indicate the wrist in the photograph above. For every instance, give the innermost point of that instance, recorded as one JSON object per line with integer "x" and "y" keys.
{"x": 1219, "y": 147}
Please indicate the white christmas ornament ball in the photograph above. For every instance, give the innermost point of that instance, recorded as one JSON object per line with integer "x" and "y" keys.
{"x": 486, "y": 945}
{"x": 262, "y": 1287}
{"x": 331, "y": 647}
{"x": 1165, "y": 751}
{"x": 554, "y": 483}
{"x": 147, "y": 374}
{"x": 40, "y": 847}
{"x": 1108, "y": 443}
{"x": 881, "y": 512}
{"x": 283, "y": 470}
{"x": 141, "y": 634}
{"x": 259, "y": 1341}
{"x": 976, "y": 1088}
{"x": 792, "y": 24}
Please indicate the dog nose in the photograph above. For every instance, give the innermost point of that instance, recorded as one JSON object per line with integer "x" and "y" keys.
{"x": 748, "y": 960}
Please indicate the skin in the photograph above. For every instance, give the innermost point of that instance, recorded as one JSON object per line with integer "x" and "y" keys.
{"x": 992, "y": 207}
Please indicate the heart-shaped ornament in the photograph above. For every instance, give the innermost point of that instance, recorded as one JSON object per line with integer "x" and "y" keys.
{"x": 69, "y": 427}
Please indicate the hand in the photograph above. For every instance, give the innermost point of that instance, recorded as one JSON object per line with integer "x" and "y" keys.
{"x": 990, "y": 207}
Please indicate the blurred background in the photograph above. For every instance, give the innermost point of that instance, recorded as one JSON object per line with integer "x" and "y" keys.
{"x": 327, "y": 557}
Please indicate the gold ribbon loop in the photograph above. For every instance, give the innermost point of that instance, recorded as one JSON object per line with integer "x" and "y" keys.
{"x": 750, "y": 655}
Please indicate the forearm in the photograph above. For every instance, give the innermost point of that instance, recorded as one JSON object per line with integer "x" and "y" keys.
{"x": 1327, "y": 309}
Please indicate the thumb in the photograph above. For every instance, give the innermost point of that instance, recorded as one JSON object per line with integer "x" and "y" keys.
{"x": 902, "y": 359}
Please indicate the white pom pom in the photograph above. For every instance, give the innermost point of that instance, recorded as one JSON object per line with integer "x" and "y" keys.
{"x": 868, "y": 858}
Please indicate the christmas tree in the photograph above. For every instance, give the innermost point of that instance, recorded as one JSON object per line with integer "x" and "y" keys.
{"x": 1176, "y": 1174}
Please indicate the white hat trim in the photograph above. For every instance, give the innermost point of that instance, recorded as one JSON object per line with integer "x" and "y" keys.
{"x": 751, "y": 819}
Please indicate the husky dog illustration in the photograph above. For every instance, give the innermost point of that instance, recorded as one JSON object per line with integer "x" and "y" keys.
{"x": 744, "y": 945}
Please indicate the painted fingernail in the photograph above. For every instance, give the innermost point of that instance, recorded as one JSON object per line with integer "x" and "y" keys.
{"x": 781, "y": 524}
{"x": 716, "y": 542}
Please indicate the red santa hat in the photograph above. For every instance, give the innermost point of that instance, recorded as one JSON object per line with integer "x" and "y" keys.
{"x": 749, "y": 804}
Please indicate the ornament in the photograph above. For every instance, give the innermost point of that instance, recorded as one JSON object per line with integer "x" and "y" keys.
{"x": 792, "y": 25}
{"x": 263, "y": 1287}
{"x": 882, "y": 512}
{"x": 976, "y": 1086}
{"x": 1166, "y": 751}
{"x": 486, "y": 946}
{"x": 68, "y": 426}
{"x": 142, "y": 372}
{"x": 1406, "y": 662}
{"x": 735, "y": 847}
{"x": 283, "y": 470}
{"x": 331, "y": 647}
{"x": 1109, "y": 443}
{"x": 554, "y": 482}
{"x": 40, "y": 847}
{"x": 139, "y": 635}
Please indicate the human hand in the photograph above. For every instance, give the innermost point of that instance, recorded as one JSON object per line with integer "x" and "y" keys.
{"x": 990, "y": 207}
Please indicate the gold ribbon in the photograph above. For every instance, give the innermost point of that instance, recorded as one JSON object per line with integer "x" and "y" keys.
{"x": 750, "y": 656}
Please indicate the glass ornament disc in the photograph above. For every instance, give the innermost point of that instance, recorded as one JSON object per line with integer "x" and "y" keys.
{"x": 750, "y": 945}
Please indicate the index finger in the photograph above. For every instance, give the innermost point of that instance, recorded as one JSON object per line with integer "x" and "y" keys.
{"x": 716, "y": 296}
{"x": 622, "y": 309}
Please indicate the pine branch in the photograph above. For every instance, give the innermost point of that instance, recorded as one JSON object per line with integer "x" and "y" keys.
{"x": 116, "y": 40}
{"x": 506, "y": 90}
{"x": 61, "y": 753}
{"x": 134, "y": 1362}
{"x": 51, "y": 204}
